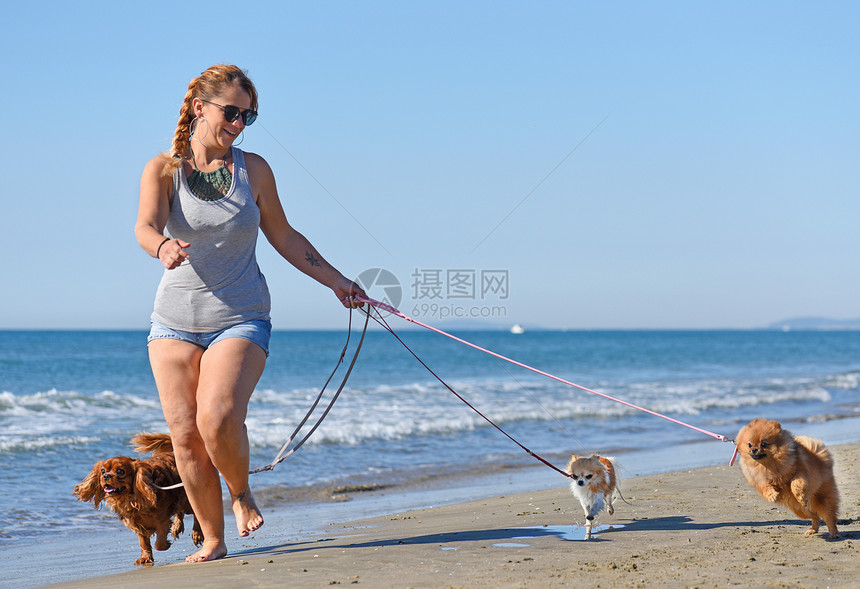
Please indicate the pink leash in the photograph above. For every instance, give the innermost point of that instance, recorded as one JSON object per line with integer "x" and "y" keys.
{"x": 394, "y": 311}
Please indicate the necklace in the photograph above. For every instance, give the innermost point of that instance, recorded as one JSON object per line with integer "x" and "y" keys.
{"x": 210, "y": 185}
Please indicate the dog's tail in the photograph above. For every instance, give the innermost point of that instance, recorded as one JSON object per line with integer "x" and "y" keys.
{"x": 815, "y": 446}
{"x": 611, "y": 461}
{"x": 155, "y": 443}
{"x": 611, "y": 465}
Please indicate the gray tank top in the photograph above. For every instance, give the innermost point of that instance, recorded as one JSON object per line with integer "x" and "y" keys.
{"x": 221, "y": 284}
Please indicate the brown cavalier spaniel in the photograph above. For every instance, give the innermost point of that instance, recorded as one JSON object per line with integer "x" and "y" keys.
{"x": 131, "y": 488}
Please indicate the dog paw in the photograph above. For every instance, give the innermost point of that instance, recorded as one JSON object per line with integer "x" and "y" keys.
{"x": 810, "y": 532}
{"x": 144, "y": 561}
{"x": 162, "y": 546}
{"x": 177, "y": 528}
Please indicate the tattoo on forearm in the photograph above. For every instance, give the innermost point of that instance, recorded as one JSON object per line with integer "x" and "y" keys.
{"x": 312, "y": 260}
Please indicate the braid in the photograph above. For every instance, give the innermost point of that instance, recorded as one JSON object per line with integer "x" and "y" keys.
{"x": 205, "y": 86}
{"x": 182, "y": 136}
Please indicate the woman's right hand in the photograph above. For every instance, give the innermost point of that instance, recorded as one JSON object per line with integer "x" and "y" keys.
{"x": 173, "y": 253}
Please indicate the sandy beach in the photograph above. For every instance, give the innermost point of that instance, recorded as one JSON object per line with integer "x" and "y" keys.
{"x": 695, "y": 528}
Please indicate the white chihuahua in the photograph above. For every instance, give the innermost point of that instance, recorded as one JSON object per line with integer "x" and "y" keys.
{"x": 593, "y": 482}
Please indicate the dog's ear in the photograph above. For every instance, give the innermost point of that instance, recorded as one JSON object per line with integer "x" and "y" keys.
{"x": 573, "y": 458}
{"x": 92, "y": 488}
{"x": 143, "y": 486}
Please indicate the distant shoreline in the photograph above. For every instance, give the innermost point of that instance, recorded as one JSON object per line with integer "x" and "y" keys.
{"x": 816, "y": 324}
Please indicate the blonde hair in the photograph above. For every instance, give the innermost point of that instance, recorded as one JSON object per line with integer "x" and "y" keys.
{"x": 206, "y": 86}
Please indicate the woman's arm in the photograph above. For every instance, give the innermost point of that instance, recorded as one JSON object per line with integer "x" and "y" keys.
{"x": 152, "y": 214}
{"x": 289, "y": 243}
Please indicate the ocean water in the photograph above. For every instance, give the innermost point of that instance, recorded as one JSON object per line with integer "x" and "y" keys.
{"x": 69, "y": 399}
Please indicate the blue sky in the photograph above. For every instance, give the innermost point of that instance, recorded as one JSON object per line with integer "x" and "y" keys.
{"x": 625, "y": 164}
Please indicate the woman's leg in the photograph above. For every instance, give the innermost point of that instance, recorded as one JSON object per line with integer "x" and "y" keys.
{"x": 229, "y": 372}
{"x": 176, "y": 367}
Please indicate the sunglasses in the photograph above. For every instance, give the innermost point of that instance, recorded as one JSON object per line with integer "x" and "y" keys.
{"x": 231, "y": 113}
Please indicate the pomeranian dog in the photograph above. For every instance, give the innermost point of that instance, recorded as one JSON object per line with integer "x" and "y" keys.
{"x": 594, "y": 482}
{"x": 794, "y": 471}
{"x": 133, "y": 490}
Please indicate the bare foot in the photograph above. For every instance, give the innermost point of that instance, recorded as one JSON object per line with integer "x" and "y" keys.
{"x": 248, "y": 516}
{"x": 211, "y": 550}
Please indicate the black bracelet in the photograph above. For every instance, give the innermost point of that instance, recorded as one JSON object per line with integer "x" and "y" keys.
{"x": 158, "y": 251}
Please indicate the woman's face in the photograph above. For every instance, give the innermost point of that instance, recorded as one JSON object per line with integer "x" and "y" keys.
{"x": 222, "y": 134}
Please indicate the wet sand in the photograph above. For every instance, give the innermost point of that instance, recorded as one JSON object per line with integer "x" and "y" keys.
{"x": 694, "y": 528}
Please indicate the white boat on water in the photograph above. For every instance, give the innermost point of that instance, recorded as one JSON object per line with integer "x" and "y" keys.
{"x": 517, "y": 328}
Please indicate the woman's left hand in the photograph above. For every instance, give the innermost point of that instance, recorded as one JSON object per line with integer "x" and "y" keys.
{"x": 346, "y": 290}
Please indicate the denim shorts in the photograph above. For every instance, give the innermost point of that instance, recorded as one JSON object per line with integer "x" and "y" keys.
{"x": 258, "y": 331}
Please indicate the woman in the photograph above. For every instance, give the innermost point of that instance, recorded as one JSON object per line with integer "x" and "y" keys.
{"x": 210, "y": 327}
